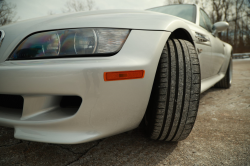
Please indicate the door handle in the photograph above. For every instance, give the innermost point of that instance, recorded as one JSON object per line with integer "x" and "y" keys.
{"x": 201, "y": 38}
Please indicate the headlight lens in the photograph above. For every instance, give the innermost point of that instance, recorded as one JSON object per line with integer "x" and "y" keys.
{"x": 71, "y": 43}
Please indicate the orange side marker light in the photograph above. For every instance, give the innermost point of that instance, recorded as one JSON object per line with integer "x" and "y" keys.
{"x": 123, "y": 75}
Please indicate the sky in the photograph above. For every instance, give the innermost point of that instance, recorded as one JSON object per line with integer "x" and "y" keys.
{"x": 27, "y": 9}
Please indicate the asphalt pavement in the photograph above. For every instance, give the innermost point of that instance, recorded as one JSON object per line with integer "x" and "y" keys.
{"x": 221, "y": 136}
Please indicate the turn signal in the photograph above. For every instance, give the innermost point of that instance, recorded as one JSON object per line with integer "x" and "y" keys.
{"x": 123, "y": 75}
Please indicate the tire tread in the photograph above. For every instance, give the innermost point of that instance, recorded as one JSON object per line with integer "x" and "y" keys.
{"x": 176, "y": 92}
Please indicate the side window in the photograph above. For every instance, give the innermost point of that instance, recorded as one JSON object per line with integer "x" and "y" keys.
{"x": 202, "y": 21}
{"x": 207, "y": 21}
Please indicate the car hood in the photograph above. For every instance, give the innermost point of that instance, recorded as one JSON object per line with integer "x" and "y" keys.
{"x": 129, "y": 19}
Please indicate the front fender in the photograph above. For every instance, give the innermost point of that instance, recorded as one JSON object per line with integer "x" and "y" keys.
{"x": 183, "y": 26}
{"x": 178, "y": 24}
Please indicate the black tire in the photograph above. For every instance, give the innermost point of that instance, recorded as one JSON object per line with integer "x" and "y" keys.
{"x": 175, "y": 96}
{"x": 227, "y": 80}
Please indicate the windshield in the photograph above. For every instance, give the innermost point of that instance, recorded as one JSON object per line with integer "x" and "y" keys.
{"x": 187, "y": 12}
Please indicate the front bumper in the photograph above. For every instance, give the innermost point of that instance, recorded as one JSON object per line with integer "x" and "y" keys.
{"x": 107, "y": 108}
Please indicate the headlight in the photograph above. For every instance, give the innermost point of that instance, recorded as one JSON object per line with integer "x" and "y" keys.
{"x": 71, "y": 43}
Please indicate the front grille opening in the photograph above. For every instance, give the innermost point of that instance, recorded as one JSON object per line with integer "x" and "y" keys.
{"x": 11, "y": 101}
{"x": 71, "y": 102}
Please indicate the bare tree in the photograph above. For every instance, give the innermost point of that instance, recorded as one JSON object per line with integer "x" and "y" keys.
{"x": 227, "y": 13}
{"x": 50, "y": 12}
{"x": 90, "y": 4}
{"x": 217, "y": 13}
{"x": 236, "y": 13}
{"x": 7, "y": 13}
{"x": 238, "y": 5}
{"x": 79, "y": 5}
{"x": 202, "y": 3}
{"x": 174, "y": 2}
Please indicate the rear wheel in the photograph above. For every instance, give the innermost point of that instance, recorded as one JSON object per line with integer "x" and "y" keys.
{"x": 174, "y": 99}
{"x": 227, "y": 80}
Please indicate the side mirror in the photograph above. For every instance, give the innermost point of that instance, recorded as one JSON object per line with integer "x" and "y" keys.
{"x": 219, "y": 26}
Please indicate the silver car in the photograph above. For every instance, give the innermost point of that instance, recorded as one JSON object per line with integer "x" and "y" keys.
{"x": 79, "y": 77}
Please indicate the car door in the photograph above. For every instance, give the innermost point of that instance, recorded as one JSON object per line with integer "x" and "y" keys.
{"x": 217, "y": 56}
{"x": 203, "y": 45}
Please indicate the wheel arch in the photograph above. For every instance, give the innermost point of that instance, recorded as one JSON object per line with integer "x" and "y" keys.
{"x": 180, "y": 30}
{"x": 181, "y": 33}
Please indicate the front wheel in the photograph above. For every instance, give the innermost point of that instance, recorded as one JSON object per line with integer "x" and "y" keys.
{"x": 175, "y": 96}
